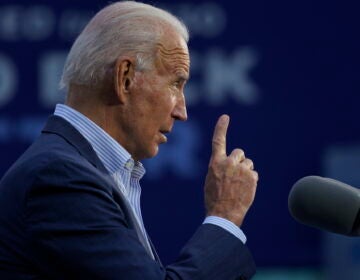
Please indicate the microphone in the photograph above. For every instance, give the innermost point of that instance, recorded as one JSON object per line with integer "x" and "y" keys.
{"x": 326, "y": 204}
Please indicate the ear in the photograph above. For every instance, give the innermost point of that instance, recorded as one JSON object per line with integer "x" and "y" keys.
{"x": 124, "y": 73}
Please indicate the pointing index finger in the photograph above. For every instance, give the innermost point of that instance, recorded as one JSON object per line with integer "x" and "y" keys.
{"x": 219, "y": 137}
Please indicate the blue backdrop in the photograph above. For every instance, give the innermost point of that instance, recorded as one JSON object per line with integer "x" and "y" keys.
{"x": 287, "y": 72}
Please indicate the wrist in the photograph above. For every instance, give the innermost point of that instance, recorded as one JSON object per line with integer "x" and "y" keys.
{"x": 236, "y": 219}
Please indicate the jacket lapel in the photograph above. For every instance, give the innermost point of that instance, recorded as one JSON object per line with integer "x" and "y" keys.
{"x": 125, "y": 206}
{"x": 156, "y": 256}
{"x": 64, "y": 129}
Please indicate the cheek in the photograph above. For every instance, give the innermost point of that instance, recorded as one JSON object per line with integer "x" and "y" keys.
{"x": 167, "y": 99}
{"x": 160, "y": 103}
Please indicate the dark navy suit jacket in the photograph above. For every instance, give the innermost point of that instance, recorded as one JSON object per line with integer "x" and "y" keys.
{"x": 61, "y": 217}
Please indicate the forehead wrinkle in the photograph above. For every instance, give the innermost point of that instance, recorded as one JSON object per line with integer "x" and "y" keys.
{"x": 161, "y": 47}
{"x": 175, "y": 58}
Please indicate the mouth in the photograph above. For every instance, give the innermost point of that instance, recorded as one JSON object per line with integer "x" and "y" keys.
{"x": 163, "y": 133}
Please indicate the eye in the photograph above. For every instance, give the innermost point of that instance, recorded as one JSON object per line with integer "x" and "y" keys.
{"x": 179, "y": 83}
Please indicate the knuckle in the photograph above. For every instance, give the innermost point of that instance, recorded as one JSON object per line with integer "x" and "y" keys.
{"x": 230, "y": 161}
{"x": 239, "y": 152}
{"x": 237, "y": 155}
{"x": 249, "y": 176}
{"x": 215, "y": 141}
{"x": 247, "y": 161}
{"x": 255, "y": 176}
{"x": 218, "y": 140}
{"x": 247, "y": 164}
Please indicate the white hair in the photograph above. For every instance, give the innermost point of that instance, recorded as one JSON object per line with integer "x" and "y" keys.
{"x": 122, "y": 28}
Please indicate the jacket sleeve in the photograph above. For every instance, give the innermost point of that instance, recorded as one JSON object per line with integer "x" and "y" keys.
{"x": 76, "y": 230}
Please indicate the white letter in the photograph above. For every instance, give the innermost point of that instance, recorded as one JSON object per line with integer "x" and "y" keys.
{"x": 230, "y": 75}
{"x": 8, "y": 80}
{"x": 213, "y": 19}
{"x": 50, "y": 69}
{"x": 38, "y": 23}
{"x": 9, "y": 22}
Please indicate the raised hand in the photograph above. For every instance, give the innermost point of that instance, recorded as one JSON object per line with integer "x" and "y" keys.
{"x": 231, "y": 181}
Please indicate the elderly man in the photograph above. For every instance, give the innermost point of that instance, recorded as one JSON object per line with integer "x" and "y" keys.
{"x": 70, "y": 204}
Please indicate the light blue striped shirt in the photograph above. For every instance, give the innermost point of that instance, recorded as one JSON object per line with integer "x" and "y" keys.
{"x": 124, "y": 170}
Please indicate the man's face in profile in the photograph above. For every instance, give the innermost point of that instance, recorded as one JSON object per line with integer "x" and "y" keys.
{"x": 157, "y": 98}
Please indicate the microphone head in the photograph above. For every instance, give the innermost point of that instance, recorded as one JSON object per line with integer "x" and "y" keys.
{"x": 326, "y": 204}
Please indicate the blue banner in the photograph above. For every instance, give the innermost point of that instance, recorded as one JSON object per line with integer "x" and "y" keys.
{"x": 287, "y": 73}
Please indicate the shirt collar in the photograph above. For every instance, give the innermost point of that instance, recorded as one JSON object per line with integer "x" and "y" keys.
{"x": 111, "y": 153}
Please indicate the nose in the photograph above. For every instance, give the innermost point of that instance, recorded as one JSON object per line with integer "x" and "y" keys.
{"x": 180, "y": 112}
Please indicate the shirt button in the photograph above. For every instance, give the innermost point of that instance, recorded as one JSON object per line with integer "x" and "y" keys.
{"x": 129, "y": 165}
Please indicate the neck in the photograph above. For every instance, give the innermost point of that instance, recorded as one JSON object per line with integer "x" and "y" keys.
{"x": 86, "y": 101}
{"x": 101, "y": 108}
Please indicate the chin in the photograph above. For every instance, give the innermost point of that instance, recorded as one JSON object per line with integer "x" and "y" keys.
{"x": 155, "y": 151}
{"x": 150, "y": 153}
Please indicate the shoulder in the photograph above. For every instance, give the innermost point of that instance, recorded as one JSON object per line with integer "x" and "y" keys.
{"x": 46, "y": 153}
{"x": 52, "y": 162}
